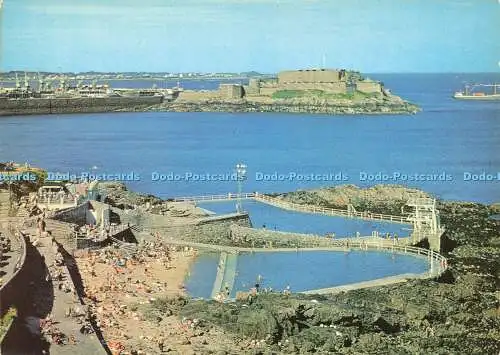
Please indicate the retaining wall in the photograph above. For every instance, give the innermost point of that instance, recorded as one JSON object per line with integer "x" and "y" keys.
{"x": 7, "y": 289}
{"x": 244, "y": 236}
{"x": 213, "y": 230}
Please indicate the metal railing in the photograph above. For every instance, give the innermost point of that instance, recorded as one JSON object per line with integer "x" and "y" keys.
{"x": 295, "y": 206}
{"x": 62, "y": 201}
{"x": 329, "y": 211}
{"x": 438, "y": 263}
{"x": 228, "y": 196}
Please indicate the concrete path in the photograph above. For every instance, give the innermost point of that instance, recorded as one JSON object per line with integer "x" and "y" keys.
{"x": 221, "y": 267}
{"x": 85, "y": 344}
{"x": 230, "y": 272}
{"x": 365, "y": 284}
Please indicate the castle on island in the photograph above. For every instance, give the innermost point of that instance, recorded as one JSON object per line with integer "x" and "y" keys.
{"x": 329, "y": 81}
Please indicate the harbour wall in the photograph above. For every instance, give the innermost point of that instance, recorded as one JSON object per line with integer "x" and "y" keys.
{"x": 34, "y": 106}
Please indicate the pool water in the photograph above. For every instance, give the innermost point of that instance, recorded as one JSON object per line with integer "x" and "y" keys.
{"x": 303, "y": 270}
{"x": 272, "y": 217}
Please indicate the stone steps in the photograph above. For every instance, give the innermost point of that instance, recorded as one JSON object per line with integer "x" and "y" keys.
{"x": 4, "y": 203}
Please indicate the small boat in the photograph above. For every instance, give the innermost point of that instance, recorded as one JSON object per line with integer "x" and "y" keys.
{"x": 470, "y": 92}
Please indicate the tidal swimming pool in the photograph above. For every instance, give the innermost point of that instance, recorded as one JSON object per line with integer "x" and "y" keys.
{"x": 302, "y": 270}
{"x": 272, "y": 218}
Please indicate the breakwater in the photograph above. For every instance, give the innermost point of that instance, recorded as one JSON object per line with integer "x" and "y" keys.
{"x": 34, "y": 106}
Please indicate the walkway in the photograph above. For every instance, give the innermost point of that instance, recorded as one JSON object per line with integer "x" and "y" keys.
{"x": 88, "y": 344}
{"x": 390, "y": 280}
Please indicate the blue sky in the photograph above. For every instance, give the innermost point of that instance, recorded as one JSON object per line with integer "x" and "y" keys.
{"x": 243, "y": 35}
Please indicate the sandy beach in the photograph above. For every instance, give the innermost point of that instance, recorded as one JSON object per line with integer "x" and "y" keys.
{"x": 135, "y": 301}
{"x": 119, "y": 288}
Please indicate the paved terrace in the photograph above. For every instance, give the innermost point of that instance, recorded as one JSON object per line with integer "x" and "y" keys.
{"x": 88, "y": 344}
{"x": 61, "y": 301}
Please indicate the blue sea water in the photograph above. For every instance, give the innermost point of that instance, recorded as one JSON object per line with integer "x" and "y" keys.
{"x": 302, "y": 271}
{"x": 282, "y": 220}
{"x": 449, "y": 136}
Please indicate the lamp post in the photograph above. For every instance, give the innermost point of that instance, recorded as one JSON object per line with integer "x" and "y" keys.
{"x": 241, "y": 170}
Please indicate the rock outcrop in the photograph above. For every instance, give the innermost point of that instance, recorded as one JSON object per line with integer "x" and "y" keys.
{"x": 456, "y": 314}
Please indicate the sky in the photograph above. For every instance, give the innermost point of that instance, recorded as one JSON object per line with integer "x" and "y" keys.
{"x": 372, "y": 36}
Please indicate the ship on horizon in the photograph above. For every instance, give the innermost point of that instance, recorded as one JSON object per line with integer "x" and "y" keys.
{"x": 470, "y": 92}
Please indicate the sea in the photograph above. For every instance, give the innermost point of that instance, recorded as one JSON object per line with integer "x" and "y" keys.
{"x": 450, "y": 150}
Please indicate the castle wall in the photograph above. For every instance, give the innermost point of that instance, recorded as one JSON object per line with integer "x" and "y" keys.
{"x": 368, "y": 86}
{"x": 309, "y": 76}
{"x": 268, "y": 83}
{"x": 338, "y": 87}
{"x": 253, "y": 87}
{"x": 268, "y": 91}
{"x": 197, "y": 95}
{"x": 231, "y": 91}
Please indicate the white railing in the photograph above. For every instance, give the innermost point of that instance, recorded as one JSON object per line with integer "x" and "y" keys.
{"x": 329, "y": 211}
{"x": 295, "y": 206}
{"x": 438, "y": 263}
{"x": 57, "y": 200}
{"x": 228, "y": 196}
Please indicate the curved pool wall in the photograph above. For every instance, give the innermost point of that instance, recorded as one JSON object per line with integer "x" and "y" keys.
{"x": 308, "y": 223}
{"x": 302, "y": 270}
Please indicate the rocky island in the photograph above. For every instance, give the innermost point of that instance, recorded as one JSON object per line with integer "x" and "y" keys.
{"x": 325, "y": 91}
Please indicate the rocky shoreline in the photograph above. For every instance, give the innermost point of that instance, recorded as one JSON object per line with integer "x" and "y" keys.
{"x": 344, "y": 107}
{"x": 385, "y": 199}
{"x": 456, "y": 314}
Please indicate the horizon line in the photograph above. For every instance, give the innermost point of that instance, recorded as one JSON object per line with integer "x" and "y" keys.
{"x": 240, "y": 72}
